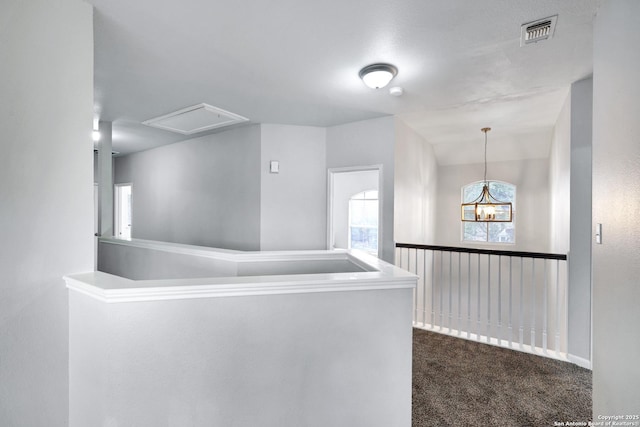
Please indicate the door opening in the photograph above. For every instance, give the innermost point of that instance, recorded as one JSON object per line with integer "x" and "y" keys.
{"x": 354, "y": 212}
{"x": 123, "y": 194}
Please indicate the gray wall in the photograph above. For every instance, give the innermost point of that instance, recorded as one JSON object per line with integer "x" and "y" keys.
{"x": 365, "y": 143}
{"x": 616, "y": 205}
{"x": 559, "y": 181}
{"x": 570, "y": 211}
{"x": 139, "y": 263}
{"x": 315, "y": 359}
{"x": 532, "y": 201}
{"x": 46, "y": 218}
{"x": 579, "y": 293}
{"x": 217, "y": 190}
{"x": 105, "y": 180}
{"x": 416, "y": 187}
{"x": 293, "y": 202}
{"x": 203, "y": 191}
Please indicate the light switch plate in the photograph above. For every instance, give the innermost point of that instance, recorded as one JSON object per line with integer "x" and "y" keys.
{"x": 599, "y": 234}
{"x": 274, "y": 166}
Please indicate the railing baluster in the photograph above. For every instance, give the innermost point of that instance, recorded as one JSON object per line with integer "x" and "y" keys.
{"x": 499, "y": 334}
{"x": 459, "y": 297}
{"x": 557, "y": 307}
{"x": 415, "y": 291}
{"x": 533, "y": 304}
{"x": 510, "y": 302}
{"x": 450, "y": 316}
{"x": 544, "y": 309}
{"x": 521, "y": 331}
{"x": 488, "y": 297}
{"x": 478, "y": 298}
{"x": 433, "y": 288}
{"x": 469, "y": 295}
{"x": 424, "y": 288}
{"x": 440, "y": 313}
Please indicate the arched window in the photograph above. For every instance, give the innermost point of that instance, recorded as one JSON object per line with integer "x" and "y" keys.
{"x": 363, "y": 221}
{"x": 490, "y": 232}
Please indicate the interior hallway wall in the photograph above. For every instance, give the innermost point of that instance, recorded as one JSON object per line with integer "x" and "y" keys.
{"x": 367, "y": 143}
{"x": 203, "y": 191}
{"x": 570, "y": 212}
{"x": 293, "y": 213}
{"x": 532, "y": 201}
{"x": 579, "y": 294}
{"x": 46, "y": 194}
{"x": 416, "y": 187}
{"x": 559, "y": 181}
{"x": 616, "y": 205}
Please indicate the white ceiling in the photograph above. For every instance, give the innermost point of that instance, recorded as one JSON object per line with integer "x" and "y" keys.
{"x": 297, "y": 61}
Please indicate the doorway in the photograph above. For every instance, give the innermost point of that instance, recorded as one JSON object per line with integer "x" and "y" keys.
{"x": 122, "y": 214}
{"x": 354, "y": 208}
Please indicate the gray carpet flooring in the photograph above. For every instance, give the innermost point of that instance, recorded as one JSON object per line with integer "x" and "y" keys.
{"x": 457, "y": 382}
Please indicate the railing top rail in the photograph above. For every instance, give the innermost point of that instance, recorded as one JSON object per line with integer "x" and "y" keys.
{"x": 519, "y": 254}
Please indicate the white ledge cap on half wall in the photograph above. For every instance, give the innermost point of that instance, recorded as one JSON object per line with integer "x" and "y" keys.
{"x": 108, "y": 288}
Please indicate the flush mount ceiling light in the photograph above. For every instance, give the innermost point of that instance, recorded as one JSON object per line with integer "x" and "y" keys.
{"x": 377, "y": 76}
{"x": 486, "y": 208}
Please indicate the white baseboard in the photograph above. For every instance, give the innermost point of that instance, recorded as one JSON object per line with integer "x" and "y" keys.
{"x": 582, "y": 362}
{"x": 511, "y": 345}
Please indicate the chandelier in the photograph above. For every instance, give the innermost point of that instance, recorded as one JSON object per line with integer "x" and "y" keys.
{"x": 486, "y": 208}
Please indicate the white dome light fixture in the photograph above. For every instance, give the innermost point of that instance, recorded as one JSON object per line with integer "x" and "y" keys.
{"x": 377, "y": 76}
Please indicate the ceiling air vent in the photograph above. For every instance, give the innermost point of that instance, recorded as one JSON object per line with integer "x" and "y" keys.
{"x": 536, "y": 31}
{"x": 194, "y": 119}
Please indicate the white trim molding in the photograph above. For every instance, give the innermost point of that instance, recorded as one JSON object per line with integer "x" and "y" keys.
{"x": 580, "y": 361}
{"x": 108, "y": 288}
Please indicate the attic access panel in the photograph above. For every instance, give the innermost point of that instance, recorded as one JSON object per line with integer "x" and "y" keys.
{"x": 195, "y": 119}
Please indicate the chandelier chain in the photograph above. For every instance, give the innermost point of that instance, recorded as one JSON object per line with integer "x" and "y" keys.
{"x": 485, "y": 130}
{"x": 485, "y": 157}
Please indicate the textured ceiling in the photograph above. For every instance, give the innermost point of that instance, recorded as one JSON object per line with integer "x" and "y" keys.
{"x": 296, "y": 62}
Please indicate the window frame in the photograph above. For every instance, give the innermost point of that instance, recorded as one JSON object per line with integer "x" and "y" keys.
{"x": 364, "y": 198}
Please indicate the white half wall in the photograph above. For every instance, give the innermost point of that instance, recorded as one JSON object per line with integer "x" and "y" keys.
{"x": 293, "y": 201}
{"x": 46, "y": 194}
{"x": 314, "y": 359}
{"x": 367, "y": 143}
{"x": 616, "y": 205}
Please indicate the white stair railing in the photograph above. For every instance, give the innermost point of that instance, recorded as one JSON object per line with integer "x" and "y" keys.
{"x": 491, "y": 296}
